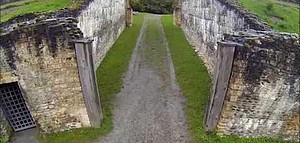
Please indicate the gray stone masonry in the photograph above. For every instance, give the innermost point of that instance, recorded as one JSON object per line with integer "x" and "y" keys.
{"x": 40, "y": 57}
{"x": 263, "y": 97}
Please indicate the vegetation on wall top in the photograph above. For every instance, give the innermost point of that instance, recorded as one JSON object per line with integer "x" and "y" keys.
{"x": 282, "y": 16}
{"x": 14, "y": 9}
{"x": 153, "y": 6}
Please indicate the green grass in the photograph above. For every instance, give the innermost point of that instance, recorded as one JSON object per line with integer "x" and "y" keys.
{"x": 34, "y": 6}
{"x": 194, "y": 81}
{"x": 154, "y": 54}
{"x": 280, "y": 15}
{"x": 4, "y": 140}
{"x": 109, "y": 75}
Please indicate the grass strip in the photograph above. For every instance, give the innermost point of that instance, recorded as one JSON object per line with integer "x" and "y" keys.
{"x": 109, "y": 76}
{"x": 194, "y": 81}
{"x": 154, "y": 50}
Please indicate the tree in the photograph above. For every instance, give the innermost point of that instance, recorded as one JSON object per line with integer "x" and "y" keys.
{"x": 153, "y": 6}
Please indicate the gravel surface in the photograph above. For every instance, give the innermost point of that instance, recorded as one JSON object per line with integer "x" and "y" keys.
{"x": 26, "y": 136}
{"x": 149, "y": 108}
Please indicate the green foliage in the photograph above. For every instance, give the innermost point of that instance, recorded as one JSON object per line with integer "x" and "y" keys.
{"x": 194, "y": 81}
{"x": 153, "y": 6}
{"x": 280, "y": 15}
{"x": 12, "y": 10}
{"x": 270, "y": 6}
{"x": 4, "y": 140}
{"x": 109, "y": 76}
{"x": 154, "y": 50}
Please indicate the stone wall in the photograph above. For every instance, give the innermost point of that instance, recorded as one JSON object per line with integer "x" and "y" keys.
{"x": 260, "y": 97}
{"x": 177, "y": 13}
{"x": 3, "y": 2}
{"x": 103, "y": 20}
{"x": 5, "y": 129}
{"x": 41, "y": 58}
{"x": 292, "y": 1}
{"x": 206, "y": 21}
{"x": 263, "y": 97}
{"x": 35, "y": 51}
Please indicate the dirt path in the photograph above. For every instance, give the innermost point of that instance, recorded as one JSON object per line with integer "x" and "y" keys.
{"x": 149, "y": 108}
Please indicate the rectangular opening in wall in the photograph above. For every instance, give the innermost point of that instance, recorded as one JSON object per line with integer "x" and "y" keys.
{"x": 14, "y": 107}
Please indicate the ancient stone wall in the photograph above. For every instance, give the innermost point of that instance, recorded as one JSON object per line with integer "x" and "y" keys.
{"x": 263, "y": 97}
{"x": 3, "y": 2}
{"x": 5, "y": 129}
{"x": 177, "y": 13}
{"x": 42, "y": 60}
{"x": 35, "y": 51}
{"x": 206, "y": 21}
{"x": 103, "y": 20}
{"x": 292, "y": 1}
{"x": 260, "y": 97}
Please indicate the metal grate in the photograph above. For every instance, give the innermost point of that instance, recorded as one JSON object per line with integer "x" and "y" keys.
{"x": 14, "y": 106}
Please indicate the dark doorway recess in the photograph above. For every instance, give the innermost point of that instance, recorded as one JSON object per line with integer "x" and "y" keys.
{"x": 14, "y": 107}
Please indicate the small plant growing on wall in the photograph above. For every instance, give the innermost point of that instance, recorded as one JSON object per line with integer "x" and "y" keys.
{"x": 4, "y": 140}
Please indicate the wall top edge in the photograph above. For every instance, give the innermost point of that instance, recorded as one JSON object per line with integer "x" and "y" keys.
{"x": 34, "y": 17}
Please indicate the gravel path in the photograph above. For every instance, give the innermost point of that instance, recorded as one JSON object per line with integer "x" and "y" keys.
{"x": 26, "y": 136}
{"x": 149, "y": 108}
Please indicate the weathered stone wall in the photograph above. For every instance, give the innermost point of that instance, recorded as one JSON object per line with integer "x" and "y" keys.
{"x": 5, "y": 129}
{"x": 103, "y": 20}
{"x": 263, "y": 97}
{"x": 292, "y": 1}
{"x": 206, "y": 21}
{"x": 3, "y": 2}
{"x": 177, "y": 13}
{"x": 35, "y": 51}
{"x": 40, "y": 57}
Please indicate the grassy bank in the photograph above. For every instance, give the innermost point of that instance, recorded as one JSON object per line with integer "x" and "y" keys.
{"x": 12, "y": 10}
{"x": 194, "y": 81}
{"x": 282, "y": 16}
{"x": 109, "y": 76}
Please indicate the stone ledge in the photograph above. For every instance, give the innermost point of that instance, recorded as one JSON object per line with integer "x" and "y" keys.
{"x": 43, "y": 27}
